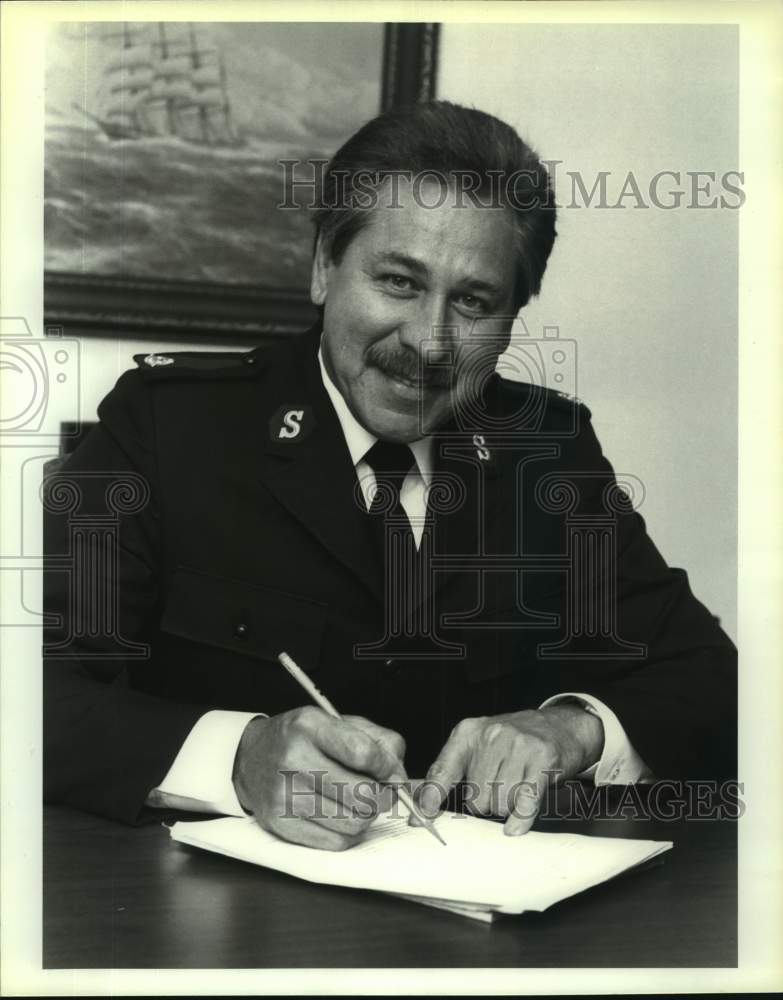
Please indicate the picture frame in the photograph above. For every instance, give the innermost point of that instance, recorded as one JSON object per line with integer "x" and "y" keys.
{"x": 84, "y": 304}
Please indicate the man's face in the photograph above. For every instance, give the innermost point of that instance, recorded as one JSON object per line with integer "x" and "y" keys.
{"x": 409, "y": 270}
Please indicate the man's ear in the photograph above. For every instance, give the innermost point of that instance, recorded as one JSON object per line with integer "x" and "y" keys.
{"x": 319, "y": 275}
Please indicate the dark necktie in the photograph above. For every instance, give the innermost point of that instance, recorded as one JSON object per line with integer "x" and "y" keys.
{"x": 391, "y": 463}
{"x": 403, "y": 566}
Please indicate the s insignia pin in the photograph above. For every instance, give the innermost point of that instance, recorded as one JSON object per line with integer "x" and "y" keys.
{"x": 158, "y": 359}
{"x": 291, "y": 423}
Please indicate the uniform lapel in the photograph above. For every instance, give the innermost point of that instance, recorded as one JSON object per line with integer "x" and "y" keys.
{"x": 310, "y": 470}
{"x": 468, "y": 474}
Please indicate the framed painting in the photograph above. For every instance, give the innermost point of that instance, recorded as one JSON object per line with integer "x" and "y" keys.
{"x": 164, "y": 152}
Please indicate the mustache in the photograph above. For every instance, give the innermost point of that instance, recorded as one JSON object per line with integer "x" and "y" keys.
{"x": 406, "y": 364}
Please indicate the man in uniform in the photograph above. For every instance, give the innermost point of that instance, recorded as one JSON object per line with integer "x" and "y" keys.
{"x": 445, "y": 551}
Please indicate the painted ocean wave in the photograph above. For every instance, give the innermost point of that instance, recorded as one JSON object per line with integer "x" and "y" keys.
{"x": 161, "y": 206}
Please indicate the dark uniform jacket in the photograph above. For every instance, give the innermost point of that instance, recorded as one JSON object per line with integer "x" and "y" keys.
{"x": 195, "y": 534}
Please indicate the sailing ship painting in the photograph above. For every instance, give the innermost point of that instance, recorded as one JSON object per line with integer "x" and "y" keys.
{"x": 159, "y": 85}
{"x": 164, "y": 142}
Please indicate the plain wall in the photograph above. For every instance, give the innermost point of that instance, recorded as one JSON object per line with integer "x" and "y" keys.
{"x": 649, "y": 295}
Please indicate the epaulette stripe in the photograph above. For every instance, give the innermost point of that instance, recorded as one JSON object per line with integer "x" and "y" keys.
{"x": 201, "y": 364}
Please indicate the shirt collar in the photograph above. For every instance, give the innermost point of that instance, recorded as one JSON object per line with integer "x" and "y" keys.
{"x": 359, "y": 439}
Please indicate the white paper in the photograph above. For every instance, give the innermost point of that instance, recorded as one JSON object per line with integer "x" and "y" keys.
{"x": 480, "y": 865}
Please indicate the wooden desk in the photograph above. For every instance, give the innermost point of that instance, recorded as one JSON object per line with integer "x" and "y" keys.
{"x": 121, "y": 897}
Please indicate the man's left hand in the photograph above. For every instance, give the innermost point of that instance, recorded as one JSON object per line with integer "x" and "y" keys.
{"x": 509, "y": 760}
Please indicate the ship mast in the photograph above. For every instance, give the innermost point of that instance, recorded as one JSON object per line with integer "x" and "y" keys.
{"x": 163, "y": 45}
{"x": 210, "y": 96}
{"x": 226, "y": 104}
{"x": 195, "y": 56}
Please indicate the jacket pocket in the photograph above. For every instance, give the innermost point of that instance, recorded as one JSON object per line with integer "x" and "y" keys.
{"x": 243, "y": 617}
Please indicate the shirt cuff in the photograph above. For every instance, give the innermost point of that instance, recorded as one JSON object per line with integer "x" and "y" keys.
{"x": 619, "y": 764}
{"x": 200, "y": 779}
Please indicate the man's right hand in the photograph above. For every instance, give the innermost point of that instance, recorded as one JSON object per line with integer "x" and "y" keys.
{"x": 313, "y": 779}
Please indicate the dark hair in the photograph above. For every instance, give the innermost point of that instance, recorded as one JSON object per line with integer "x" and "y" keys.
{"x": 453, "y": 143}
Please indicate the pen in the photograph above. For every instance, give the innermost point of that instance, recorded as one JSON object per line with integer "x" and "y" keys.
{"x": 323, "y": 702}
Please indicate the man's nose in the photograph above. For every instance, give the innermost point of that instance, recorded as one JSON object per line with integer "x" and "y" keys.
{"x": 428, "y": 332}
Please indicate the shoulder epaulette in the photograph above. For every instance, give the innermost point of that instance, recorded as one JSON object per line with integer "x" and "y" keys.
{"x": 552, "y": 397}
{"x": 200, "y": 364}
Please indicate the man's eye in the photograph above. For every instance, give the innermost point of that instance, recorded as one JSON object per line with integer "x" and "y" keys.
{"x": 471, "y": 303}
{"x": 399, "y": 282}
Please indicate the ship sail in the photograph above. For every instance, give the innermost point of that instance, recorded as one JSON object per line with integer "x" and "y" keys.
{"x": 206, "y": 76}
{"x": 211, "y": 98}
{"x": 125, "y": 105}
{"x": 129, "y": 81}
{"x": 175, "y": 66}
{"x": 162, "y": 80}
{"x": 129, "y": 58}
{"x": 171, "y": 89}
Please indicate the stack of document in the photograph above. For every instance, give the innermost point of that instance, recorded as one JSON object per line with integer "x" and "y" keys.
{"x": 480, "y": 872}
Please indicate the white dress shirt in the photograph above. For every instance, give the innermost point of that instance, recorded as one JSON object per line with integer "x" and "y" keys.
{"x": 200, "y": 778}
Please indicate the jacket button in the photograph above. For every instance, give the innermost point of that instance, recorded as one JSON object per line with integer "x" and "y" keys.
{"x": 241, "y": 631}
{"x": 389, "y": 662}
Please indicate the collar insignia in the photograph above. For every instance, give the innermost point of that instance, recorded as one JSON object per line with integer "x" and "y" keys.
{"x": 291, "y": 424}
{"x": 482, "y": 451}
{"x": 153, "y": 360}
